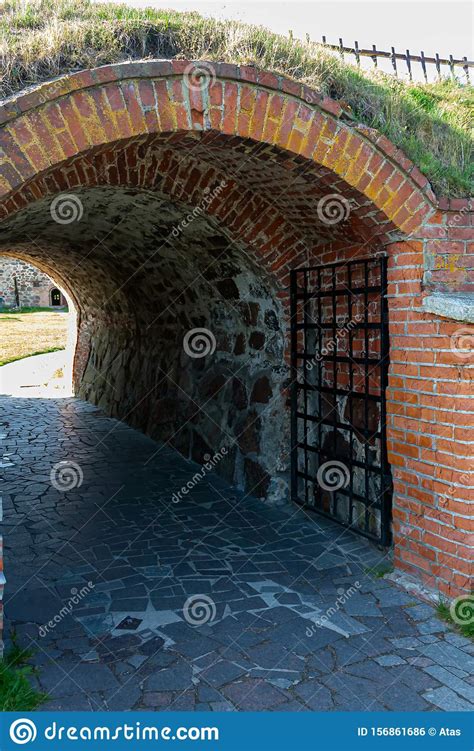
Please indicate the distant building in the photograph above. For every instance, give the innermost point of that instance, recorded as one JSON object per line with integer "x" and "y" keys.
{"x": 25, "y": 286}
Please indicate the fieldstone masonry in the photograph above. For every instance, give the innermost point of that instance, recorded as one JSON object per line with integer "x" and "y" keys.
{"x": 23, "y": 285}
{"x": 189, "y": 207}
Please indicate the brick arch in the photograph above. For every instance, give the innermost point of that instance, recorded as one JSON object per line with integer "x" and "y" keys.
{"x": 186, "y": 180}
{"x": 297, "y": 147}
{"x": 92, "y": 109}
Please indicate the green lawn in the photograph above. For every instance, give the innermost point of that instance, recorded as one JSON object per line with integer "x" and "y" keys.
{"x": 467, "y": 628}
{"x": 432, "y": 123}
{"x": 31, "y": 332}
{"x": 16, "y": 691}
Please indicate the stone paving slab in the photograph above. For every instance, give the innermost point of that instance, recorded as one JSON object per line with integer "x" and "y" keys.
{"x": 218, "y": 602}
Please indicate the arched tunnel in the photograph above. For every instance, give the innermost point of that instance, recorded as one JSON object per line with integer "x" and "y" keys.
{"x": 174, "y": 250}
{"x": 146, "y": 274}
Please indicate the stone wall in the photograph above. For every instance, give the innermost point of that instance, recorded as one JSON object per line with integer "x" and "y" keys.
{"x": 23, "y": 285}
{"x": 150, "y": 370}
{"x": 158, "y": 275}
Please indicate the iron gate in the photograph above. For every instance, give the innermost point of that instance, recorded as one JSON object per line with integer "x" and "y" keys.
{"x": 339, "y": 363}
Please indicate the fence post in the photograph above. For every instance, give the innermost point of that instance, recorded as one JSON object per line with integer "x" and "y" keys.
{"x": 466, "y": 69}
{"x": 341, "y": 48}
{"x": 423, "y": 65}
{"x": 451, "y": 67}
{"x": 394, "y": 61}
{"x": 409, "y": 65}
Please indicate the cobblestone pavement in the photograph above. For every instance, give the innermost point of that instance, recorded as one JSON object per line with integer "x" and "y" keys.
{"x": 113, "y": 562}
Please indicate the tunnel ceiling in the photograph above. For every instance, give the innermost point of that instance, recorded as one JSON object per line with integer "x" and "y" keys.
{"x": 128, "y": 246}
{"x": 278, "y": 185}
{"x": 134, "y": 194}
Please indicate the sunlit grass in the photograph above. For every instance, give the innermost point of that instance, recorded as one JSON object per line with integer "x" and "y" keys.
{"x": 23, "y": 334}
{"x": 466, "y": 629}
{"x": 432, "y": 123}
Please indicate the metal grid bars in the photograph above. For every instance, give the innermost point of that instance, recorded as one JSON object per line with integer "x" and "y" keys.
{"x": 339, "y": 362}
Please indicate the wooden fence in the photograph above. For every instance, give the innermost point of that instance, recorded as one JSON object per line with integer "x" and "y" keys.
{"x": 407, "y": 59}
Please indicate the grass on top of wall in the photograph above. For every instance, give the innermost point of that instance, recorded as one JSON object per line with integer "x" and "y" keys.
{"x": 432, "y": 123}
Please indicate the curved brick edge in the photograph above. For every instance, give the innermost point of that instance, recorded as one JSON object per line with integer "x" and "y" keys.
{"x": 46, "y": 92}
{"x": 239, "y": 101}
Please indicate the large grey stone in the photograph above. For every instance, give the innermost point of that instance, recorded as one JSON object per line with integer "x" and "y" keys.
{"x": 457, "y": 307}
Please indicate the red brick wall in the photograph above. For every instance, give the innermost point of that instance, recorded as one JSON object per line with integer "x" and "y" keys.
{"x": 431, "y": 421}
{"x": 449, "y": 247}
